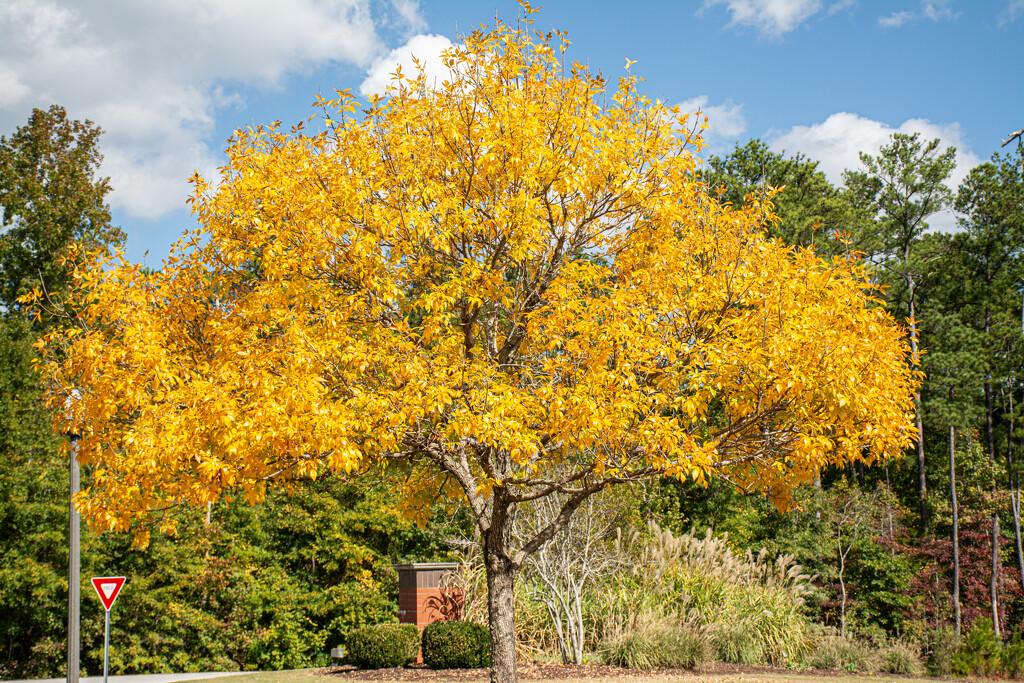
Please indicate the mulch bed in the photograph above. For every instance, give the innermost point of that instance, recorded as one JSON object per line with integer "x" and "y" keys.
{"x": 416, "y": 673}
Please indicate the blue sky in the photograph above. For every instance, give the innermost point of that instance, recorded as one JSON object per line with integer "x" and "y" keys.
{"x": 169, "y": 80}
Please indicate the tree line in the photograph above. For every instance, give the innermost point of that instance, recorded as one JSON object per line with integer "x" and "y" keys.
{"x": 961, "y": 294}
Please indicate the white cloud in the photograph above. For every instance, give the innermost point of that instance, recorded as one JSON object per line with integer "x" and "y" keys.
{"x": 426, "y": 49}
{"x": 725, "y": 121}
{"x": 772, "y": 18}
{"x": 936, "y": 10}
{"x": 838, "y": 7}
{"x": 1014, "y": 10}
{"x": 408, "y": 12}
{"x": 896, "y": 19}
{"x": 155, "y": 74}
{"x": 837, "y": 142}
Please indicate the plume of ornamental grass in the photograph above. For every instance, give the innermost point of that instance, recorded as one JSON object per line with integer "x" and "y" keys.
{"x": 664, "y": 646}
{"x": 831, "y": 650}
{"x": 750, "y": 606}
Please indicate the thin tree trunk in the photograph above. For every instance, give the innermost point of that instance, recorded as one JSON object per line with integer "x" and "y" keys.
{"x": 1014, "y": 486}
{"x": 996, "y": 571}
{"x": 988, "y": 378}
{"x": 1015, "y": 505}
{"x": 922, "y": 486}
{"x": 956, "y": 531}
{"x": 888, "y": 507}
{"x": 988, "y": 417}
{"x": 842, "y": 589}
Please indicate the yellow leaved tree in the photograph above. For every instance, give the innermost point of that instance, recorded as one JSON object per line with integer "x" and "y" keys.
{"x": 504, "y": 286}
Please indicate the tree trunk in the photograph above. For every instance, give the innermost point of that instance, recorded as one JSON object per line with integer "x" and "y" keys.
{"x": 996, "y": 571}
{"x": 956, "y": 531}
{"x": 1015, "y": 505}
{"x": 1014, "y": 486}
{"x": 988, "y": 421}
{"x": 888, "y": 507}
{"x": 842, "y": 590}
{"x": 988, "y": 377}
{"x": 501, "y": 573}
{"x": 501, "y": 613}
{"x": 922, "y": 486}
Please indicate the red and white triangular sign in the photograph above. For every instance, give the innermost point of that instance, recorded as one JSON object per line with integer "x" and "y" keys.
{"x": 107, "y": 587}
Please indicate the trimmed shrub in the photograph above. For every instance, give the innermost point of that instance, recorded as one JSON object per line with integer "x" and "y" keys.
{"x": 383, "y": 646}
{"x": 664, "y": 647}
{"x": 456, "y": 645}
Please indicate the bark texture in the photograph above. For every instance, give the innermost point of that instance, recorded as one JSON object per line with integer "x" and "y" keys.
{"x": 501, "y": 613}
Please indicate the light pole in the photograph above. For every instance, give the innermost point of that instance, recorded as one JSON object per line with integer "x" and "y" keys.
{"x": 74, "y": 555}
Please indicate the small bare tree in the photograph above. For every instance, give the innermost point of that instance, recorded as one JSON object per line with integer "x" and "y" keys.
{"x": 856, "y": 515}
{"x": 565, "y": 567}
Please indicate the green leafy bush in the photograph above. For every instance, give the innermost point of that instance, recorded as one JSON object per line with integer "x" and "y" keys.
{"x": 383, "y": 646}
{"x": 456, "y": 645}
{"x": 662, "y": 647}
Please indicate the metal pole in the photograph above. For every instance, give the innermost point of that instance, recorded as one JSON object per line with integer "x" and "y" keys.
{"x": 106, "y": 648}
{"x": 74, "y": 569}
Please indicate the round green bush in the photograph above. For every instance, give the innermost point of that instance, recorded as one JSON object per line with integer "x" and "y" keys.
{"x": 456, "y": 645}
{"x": 383, "y": 646}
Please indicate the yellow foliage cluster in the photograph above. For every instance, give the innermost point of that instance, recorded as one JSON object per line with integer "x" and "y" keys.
{"x": 511, "y": 280}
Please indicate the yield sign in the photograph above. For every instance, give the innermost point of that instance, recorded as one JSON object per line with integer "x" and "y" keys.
{"x": 107, "y": 587}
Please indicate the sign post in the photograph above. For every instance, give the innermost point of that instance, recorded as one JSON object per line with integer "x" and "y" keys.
{"x": 107, "y": 587}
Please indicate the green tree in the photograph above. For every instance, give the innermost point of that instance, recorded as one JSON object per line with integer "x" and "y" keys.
{"x": 902, "y": 187}
{"x": 990, "y": 204}
{"x": 50, "y": 199}
{"x": 810, "y": 209}
{"x": 33, "y": 517}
